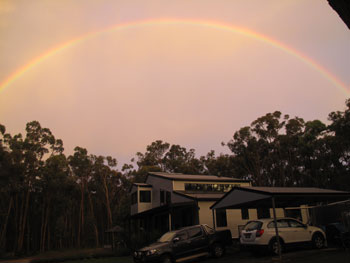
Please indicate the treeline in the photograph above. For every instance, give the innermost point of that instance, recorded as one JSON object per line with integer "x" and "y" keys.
{"x": 50, "y": 201}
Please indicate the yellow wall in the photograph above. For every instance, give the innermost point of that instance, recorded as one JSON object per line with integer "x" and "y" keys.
{"x": 143, "y": 206}
{"x": 205, "y": 213}
{"x": 235, "y": 221}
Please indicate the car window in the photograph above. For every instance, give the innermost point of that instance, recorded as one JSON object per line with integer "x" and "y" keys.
{"x": 194, "y": 232}
{"x": 294, "y": 223}
{"x": 167, "y": 237}
{"x": 182, "y": 235}
{"x": 253, "y": 225}
{"x": 209, "y": 229}
{"x": 281, "y": 223}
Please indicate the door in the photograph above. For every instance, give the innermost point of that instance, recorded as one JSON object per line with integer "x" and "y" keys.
{"x": 284, "y": 231}
{"x": 300, "y": 231}
{"x": 198, "y": 240}
{"x": 181, "y": 245}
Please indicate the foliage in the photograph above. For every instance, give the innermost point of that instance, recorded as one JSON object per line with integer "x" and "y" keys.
{"x": 52, "y": 201}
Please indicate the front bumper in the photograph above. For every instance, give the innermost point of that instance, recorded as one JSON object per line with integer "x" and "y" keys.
{"x": 140, "y": 257}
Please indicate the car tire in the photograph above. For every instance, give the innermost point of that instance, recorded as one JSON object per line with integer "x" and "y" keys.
{"x": 217, "y": 250}
{"x": 318, "y": 241}
{"x": 273, "y": 246}
{"x": 166, "y": 259}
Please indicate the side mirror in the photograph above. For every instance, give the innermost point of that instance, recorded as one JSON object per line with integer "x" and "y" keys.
{"x": 176, "y": 239}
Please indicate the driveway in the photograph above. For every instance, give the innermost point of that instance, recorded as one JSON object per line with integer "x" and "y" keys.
{"x": 327, "y": 255}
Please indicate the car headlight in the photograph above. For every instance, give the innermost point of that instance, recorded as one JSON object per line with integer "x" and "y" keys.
{"x": 151, "y": 252}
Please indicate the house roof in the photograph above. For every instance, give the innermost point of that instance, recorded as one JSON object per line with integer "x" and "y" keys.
{"x": 252, "y": 197}
{"x": 142, "y": 184}
{"x": 192, "y": 177}
{"x": 291, "y": 190}
{"x": 200, "y": 196}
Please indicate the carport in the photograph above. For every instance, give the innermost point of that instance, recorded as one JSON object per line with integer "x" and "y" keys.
{"x": 277, "y": 197}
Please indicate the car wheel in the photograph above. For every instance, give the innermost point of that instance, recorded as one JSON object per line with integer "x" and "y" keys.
{"x": 166, "y": 259}
{"x": 318, "y": 241}
{"x": 217, "y": 250}
{"x": 273, "y": 246}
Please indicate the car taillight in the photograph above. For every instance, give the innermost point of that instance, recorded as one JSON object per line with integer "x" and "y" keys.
{"x": 259, "y": 233}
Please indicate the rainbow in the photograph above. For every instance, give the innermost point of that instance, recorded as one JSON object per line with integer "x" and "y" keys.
{"x": 164, "y": 21}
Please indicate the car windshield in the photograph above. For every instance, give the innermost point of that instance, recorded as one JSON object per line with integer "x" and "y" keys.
{"x": 253, "y": 225}
{"x": 166, "y": 237}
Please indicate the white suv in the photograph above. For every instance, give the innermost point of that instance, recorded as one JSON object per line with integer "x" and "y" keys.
{"x": 261, "y": 233}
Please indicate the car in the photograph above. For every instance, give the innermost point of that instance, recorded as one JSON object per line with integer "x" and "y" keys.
{"x": 261, "y": 233}
{"x": 185, "y": 244}
{"x": 338, "y": 235}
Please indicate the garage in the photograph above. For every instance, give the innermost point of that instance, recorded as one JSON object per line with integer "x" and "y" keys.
{"x": 277, "y": 197}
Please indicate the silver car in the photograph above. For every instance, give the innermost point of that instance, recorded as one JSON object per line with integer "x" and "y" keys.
{"x": 261, "y": 233}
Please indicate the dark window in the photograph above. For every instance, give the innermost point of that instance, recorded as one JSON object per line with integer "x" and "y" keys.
{"x": 263, "y": 212}
{"x": 294, "y": 213}
{"x": 294, "y": 223}
{"x": 145, "y": 196}
{"x": 209, "y": 229}
{"x": 221, "y": 217}
{"x": 134, "y": 198}
{"x": 209, "y": 187}
{"x": 253, "y": 225}
{"x": 194, "y": 232}
{"x": 162, "y": 199}
{"x": 281, "y": 223}
{"x": 245, "y": 213}
{"x": 182, "y": 235}
{"x": 168, "y": 197}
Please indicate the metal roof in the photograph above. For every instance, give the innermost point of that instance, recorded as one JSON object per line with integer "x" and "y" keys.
{"x": 192, "y": 177}
{"x": 292, "y": 190}
{"x": 142, "y": 184}
{"x": 254, "y": 197}
{"x": 201, "y": 196}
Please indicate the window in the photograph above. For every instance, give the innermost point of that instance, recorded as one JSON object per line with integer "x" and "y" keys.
{"x": 221, "y": 217}
{"x": 145, "y": 196}
{"x": 162, "y": 198}
{"x": 253, "y": 225}
{"x": 208, "y": 229}
{"x": 182, "y": 235}
{"x": 263, "y": 212}
{"x": 294, "y": 223}
{"x": 194, "y": 232}
{"x": 168, "y": 197}
{"x": 134, "y": 198}
{"x": 282, "y": 223}
{"x": 294, "y": 213}
{"x": 245, "y": 213}
{"x": 209, "y": 187}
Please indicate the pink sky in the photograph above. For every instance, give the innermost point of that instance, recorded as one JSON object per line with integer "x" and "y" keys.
{"x": 185, "y": 84}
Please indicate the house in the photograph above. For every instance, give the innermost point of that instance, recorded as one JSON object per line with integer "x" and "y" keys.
{"x": 168, "y": 201}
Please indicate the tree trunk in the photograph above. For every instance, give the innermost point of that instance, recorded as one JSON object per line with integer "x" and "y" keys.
{"x": 23, "y": 222}
{"x": 93, "y": 216}
{"x": 4, "y": 230}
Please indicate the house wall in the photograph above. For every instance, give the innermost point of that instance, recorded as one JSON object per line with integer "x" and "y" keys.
{"x": 235, "y": 221}
{"x": 134, "y": 207}
{"x": 143, "y": 206}
{"x": 205, "y": 213}
{"x": 165, "y": 185}
{"x": 157, "y": 185}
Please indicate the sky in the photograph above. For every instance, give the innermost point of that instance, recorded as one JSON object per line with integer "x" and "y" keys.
{"x": 113, "y": 76}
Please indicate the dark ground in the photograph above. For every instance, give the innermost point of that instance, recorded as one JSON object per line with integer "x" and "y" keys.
{"x": 327, "y": 255}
